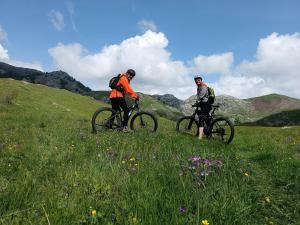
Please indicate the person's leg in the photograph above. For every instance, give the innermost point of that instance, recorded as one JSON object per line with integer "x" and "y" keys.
{"x": 115, "y": 106}
{"x": 123, "y": 105}
{"x": 201, "y": 128}
{"x": 205, "y": 109}
{"x": 206, "y": 112}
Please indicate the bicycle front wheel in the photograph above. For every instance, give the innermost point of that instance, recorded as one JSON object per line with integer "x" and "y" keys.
{"x": 187, "y": 125}
{"x": 222, "y": 129}
{"x": 144, "y": 121}
{"x": 104, "y": 119}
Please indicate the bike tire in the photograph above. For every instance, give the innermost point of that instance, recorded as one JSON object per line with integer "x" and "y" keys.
{"x": 96, "y": 115}
{"x": 142, "y": 123}
{"x": 215, "y": 128}
{"x": 188, "y": 125}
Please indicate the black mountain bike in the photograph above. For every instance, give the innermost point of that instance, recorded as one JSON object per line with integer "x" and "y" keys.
{"x": 106, "y": 118}
{"x": 219, "y": 128}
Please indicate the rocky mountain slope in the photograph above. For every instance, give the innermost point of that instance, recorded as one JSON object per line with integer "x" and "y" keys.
{"x": 253, "y": 109}
{"x": 56, "y": 79}
{"x": 169, "y": 100}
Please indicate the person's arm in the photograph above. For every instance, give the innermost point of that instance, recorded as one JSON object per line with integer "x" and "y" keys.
{"x": 127, "y": 87}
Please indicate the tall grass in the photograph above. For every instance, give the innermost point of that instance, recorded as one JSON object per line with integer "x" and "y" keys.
{"x": 53, "y": 170}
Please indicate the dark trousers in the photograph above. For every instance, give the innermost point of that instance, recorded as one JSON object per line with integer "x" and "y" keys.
{"x": 118, "y": 103}
{"x": 205, "y": 109}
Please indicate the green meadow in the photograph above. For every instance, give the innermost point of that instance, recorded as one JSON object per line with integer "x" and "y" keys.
{"x": 53, "y": 170}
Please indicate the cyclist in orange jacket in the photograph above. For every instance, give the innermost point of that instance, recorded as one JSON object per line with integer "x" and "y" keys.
{"x": 117, "y": 95}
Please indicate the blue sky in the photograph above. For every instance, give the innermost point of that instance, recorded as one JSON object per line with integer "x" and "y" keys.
{"x": 192, "y": 27}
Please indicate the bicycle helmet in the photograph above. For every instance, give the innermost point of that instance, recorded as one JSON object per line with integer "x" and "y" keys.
{"x": 131, "y": 72}
{"x": 197, "y": 78}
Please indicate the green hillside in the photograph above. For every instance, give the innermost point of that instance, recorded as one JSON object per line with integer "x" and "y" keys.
{"x": 284, "y": 118}
{"x": 273, "y": 103}
{"x": 54, "y": 171}
{"x": 151, "y": 104}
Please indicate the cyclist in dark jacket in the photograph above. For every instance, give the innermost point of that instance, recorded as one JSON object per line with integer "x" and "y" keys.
{"x": 202, "y": 101}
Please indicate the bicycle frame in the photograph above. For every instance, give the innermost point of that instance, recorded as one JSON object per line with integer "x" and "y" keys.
{"x": 130, "y": 111}
{"x": 203, "y": 117}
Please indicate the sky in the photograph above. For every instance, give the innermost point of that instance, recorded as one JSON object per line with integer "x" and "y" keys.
{"x": 240, "y": 48}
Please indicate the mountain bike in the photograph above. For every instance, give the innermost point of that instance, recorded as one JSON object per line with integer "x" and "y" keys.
{"x": 106, "y": 118}
{"x": 220, "y": 128}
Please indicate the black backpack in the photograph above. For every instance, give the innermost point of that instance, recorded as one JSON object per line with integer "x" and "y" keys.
{"x": 114, "y": 81}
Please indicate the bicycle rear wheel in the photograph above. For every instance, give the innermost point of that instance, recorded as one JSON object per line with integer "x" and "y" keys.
{"x": 187, "y": 125}
{"x": 222, "y": 129}
{"x": 104, "y": 119}
{"x": 144, "y": 121}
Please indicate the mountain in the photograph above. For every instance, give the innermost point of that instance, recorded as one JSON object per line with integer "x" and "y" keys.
{"x": 100, "y": 95}
{"x": 273, "y": 103}
{"x": 169, "y": 100}
{"x": 229, "y": 106}
{"x": 239, "y": 110}
{"x": 56, "y": 79}
{"x": 255, "y": 109}
{"x": 165, "y": 110}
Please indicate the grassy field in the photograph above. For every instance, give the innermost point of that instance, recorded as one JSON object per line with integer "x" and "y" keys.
{"x": 54, "y": 171}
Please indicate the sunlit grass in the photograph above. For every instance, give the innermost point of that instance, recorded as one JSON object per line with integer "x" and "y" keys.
{"x": 53, "y": 170}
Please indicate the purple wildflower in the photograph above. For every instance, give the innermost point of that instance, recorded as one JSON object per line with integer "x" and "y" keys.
{"x": 207, "y": 162}
{"x": 182, "y": 210}
{"x": 195, "y": 159}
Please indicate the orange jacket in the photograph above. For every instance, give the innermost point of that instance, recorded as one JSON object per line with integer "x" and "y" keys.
{"x": 127, "y": 89}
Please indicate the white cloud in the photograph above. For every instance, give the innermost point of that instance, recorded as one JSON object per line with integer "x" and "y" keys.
{"x": 277, "y": 62}
{"x": 275, "y": 69}
{"x": 4, "y": 57}
{"x": 145, "y": 25}
{"x": 71, "y": 10}
{"x": 241, "y": 86}
{"x": 156, "y": 71}
{"x": 214, "y": 63}
{"x": 3, "y": 35}
{"x": 3, "y": 53}
{"x": 57, "y": 20}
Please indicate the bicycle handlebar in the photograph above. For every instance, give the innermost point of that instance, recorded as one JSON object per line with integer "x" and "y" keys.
{"x": 196, "y": 104}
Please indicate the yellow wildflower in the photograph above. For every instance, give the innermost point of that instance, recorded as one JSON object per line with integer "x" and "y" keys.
{"x": 123, "y": 161}
{"x": 135, "y": 220}
{"x": 247, "y": 174}
{"x": 132, "y": 159}
{"x": 204, "y": 222}
{"x": 268, "y": 199}
{"x": 136, "y": 164}
{"x": 94, "y": 213}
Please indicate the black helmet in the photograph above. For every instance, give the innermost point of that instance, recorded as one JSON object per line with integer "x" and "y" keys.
{"x": 131, "y": 72}
{"x": 197, "y": 78}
